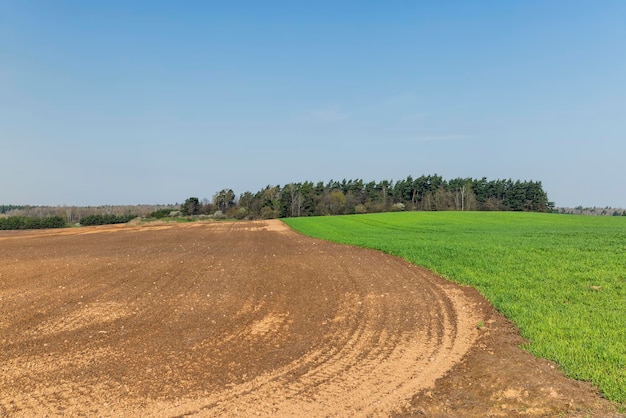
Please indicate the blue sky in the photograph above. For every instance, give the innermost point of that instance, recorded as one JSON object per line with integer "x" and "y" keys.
{"x": 122, "y": 102}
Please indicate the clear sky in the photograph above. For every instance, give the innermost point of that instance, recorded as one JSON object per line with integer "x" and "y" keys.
{"x": 130, "y": 102}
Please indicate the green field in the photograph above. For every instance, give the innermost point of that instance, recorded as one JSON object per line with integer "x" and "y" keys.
{"x": 560, "y": 278}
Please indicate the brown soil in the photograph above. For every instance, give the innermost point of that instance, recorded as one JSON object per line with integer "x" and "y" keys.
{"x": 249, "y": 319}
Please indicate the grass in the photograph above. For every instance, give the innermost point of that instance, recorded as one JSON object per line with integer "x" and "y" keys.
{"x": 561, "y": 279}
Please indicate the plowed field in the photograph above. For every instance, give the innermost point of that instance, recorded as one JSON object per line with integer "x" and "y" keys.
{"x": 249, "y": 319}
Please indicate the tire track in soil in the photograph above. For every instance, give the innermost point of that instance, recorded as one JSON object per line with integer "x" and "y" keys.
{"x": 229, "y": 319}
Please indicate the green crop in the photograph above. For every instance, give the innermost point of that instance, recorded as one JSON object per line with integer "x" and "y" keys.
{"x": 560, "y": 278}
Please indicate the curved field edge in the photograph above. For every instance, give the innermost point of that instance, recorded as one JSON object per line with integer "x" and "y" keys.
{"x": 561, "y": 279}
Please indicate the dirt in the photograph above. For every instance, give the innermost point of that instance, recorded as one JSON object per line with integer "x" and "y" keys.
{"x": 253, "y": 319}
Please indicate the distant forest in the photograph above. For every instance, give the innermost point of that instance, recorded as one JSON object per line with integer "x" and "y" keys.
{"x": 425, "y": 193}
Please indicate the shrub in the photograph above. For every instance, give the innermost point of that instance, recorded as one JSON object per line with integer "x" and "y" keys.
{"x": 105, "y": 219}
{"x": 161, "y": 213}
{"x": 24, "y": 222}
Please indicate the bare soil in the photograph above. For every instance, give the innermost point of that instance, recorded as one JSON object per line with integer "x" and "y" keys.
{"x": 253, "y": 319}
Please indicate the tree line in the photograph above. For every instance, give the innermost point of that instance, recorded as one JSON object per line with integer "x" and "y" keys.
{"x": 77, "y": 214}
{"x": 9, "y": 208}
{"x": 25, "y": 222}
{"x": 106, "y": 219}
{"x": 39, "y": 217}
{"x": 592, "y": 211}
{"x": 425, "y": 193}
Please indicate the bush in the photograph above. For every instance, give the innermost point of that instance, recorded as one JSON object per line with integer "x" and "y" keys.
{"x": 52, "y": 222}
{"x": 241, "y": 213}
{"x": 105, "y": 219}
{"x": 24, "y": 222}
{"x": 161, "y": 213}
{"x": 219, "y": 215}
